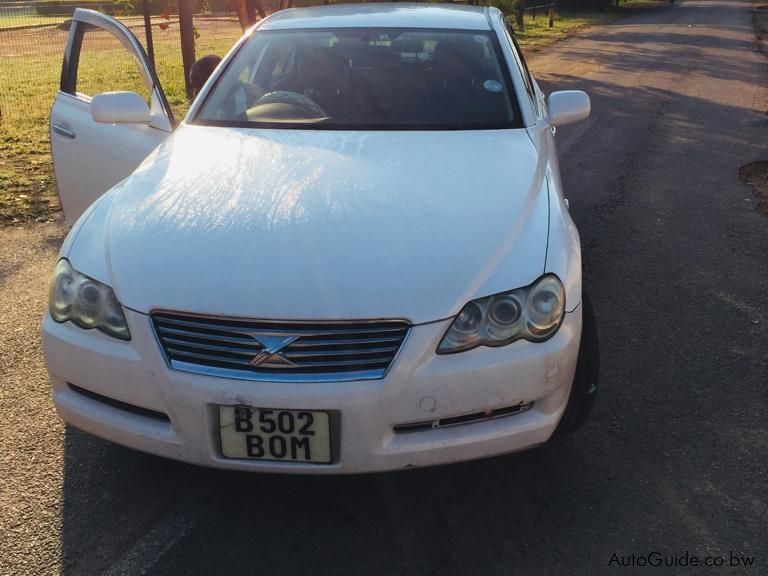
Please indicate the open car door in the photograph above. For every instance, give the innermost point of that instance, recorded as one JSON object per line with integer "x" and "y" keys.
{"x": 90, "y": 156}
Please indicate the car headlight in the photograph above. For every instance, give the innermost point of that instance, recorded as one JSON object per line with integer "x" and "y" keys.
{"x": 532, "y": 313}
{"x": 76, "y": 298}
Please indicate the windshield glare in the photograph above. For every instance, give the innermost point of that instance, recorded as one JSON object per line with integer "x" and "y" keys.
{"x": 364, "y": 79}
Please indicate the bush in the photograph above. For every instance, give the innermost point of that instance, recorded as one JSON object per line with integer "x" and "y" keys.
{"x": 508, "y": 7}
{"x": 132, "y": 7}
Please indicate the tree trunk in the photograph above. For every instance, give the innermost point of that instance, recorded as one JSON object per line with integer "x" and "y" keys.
{"x": 187, "y": 32}
{"x": 246, "y": 13}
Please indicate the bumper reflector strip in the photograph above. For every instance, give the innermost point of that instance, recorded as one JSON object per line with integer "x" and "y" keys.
{"x": 463, "y": 419}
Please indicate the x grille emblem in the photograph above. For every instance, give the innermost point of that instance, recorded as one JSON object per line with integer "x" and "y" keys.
{"x": 270, "y": 356}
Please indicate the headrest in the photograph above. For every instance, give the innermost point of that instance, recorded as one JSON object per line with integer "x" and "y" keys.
{"x": 458, "y": 59}
{"x": 320, "y": 67}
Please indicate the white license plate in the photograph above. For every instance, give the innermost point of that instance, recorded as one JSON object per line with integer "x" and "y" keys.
{"x": 270, "y": 434}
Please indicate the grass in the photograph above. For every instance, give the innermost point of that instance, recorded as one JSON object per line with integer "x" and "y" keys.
{"x": 760, "y": 19}
{"x": 14, "y": 17}
{"x": 28, "y": 86}
{"x": 27, "y": 185}
{"x": 756, "y": 175}
{"x": 18, "y": 19}
{"x": 538, "y": 33}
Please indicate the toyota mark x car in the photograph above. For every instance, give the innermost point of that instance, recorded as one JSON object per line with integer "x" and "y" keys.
{"x": 352, "y": 255}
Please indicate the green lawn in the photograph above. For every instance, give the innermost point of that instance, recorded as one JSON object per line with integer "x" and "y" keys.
{"x": 18, "y": 19}
{"x": 28, "y": 16}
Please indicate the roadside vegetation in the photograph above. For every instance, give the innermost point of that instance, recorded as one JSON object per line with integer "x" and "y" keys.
{"x": 35, "y": 43}
{"x": 538, "y": 33}
{"x": 760, "y": 20}
{"x": 756, "y": 173}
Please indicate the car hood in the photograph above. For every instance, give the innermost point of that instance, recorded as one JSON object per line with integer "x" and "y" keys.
{"x": 295, "y": 224}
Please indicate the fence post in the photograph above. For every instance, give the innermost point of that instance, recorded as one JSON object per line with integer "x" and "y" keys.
{"x": 187, "y": 29}
{"x": 520, "y": 13}
{"x": 551, "y": 15}
{"x": 148, "y": 32}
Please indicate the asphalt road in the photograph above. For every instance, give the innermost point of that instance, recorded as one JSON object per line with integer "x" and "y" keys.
{"x": 675, "y": 460}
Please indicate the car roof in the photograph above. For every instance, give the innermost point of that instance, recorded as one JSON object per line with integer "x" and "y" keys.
{"x": 381, "y": 15}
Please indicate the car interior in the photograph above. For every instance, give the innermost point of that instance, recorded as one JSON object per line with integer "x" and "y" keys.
{"x": 372, "y": 79}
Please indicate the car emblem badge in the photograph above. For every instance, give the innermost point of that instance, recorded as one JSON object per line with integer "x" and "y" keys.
{"x": 270, "y": 356}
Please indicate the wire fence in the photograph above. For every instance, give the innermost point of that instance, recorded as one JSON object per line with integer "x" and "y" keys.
{"x": 33, "y": 37}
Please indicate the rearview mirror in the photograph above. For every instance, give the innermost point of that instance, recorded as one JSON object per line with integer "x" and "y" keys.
{"x": 120, "y": 108}
{"x": 568, "y": 106}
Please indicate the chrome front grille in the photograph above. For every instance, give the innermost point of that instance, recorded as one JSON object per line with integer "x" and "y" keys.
{"x": 282, "y": 351}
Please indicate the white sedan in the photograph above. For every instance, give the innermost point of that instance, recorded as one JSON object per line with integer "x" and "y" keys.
{"x": 352, "y": 255}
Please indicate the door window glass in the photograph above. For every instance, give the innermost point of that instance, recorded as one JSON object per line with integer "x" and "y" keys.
{"x": 106, "y": 66}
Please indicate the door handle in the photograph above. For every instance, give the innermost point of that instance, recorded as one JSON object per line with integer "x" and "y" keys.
{"x": 64, "y": 131}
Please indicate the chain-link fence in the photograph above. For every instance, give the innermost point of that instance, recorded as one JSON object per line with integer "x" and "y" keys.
{"x": 33, "y": 36}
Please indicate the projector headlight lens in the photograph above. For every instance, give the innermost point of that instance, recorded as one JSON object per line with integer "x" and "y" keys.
{"x": 532, "y": 313}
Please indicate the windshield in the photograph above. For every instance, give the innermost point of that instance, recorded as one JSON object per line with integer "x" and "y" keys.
{"x": 369, "y": 78}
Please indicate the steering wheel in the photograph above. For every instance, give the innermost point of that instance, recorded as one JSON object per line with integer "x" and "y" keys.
{"x": 288, "y": 105}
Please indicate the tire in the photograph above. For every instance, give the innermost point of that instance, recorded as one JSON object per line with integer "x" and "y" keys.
{"x": 586, "y": 379}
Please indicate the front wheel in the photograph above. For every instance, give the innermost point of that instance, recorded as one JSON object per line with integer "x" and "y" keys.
{"x": 585, "y": 381}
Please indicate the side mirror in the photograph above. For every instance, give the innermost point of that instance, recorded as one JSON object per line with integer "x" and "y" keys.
{"x": 568, "y": 106}
{"x": 120, "y": 108}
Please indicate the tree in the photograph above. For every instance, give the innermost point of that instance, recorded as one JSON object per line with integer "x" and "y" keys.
{"x": 248, "y": 9}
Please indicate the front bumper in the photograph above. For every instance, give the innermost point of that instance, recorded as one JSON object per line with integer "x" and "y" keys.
{"x": 420, "y": 386}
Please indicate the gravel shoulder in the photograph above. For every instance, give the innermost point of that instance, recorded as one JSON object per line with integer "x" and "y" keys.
{"x": 31, "y": 435}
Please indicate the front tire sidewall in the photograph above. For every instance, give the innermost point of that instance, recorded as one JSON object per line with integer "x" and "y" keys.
{"x": 586, "y": 378}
